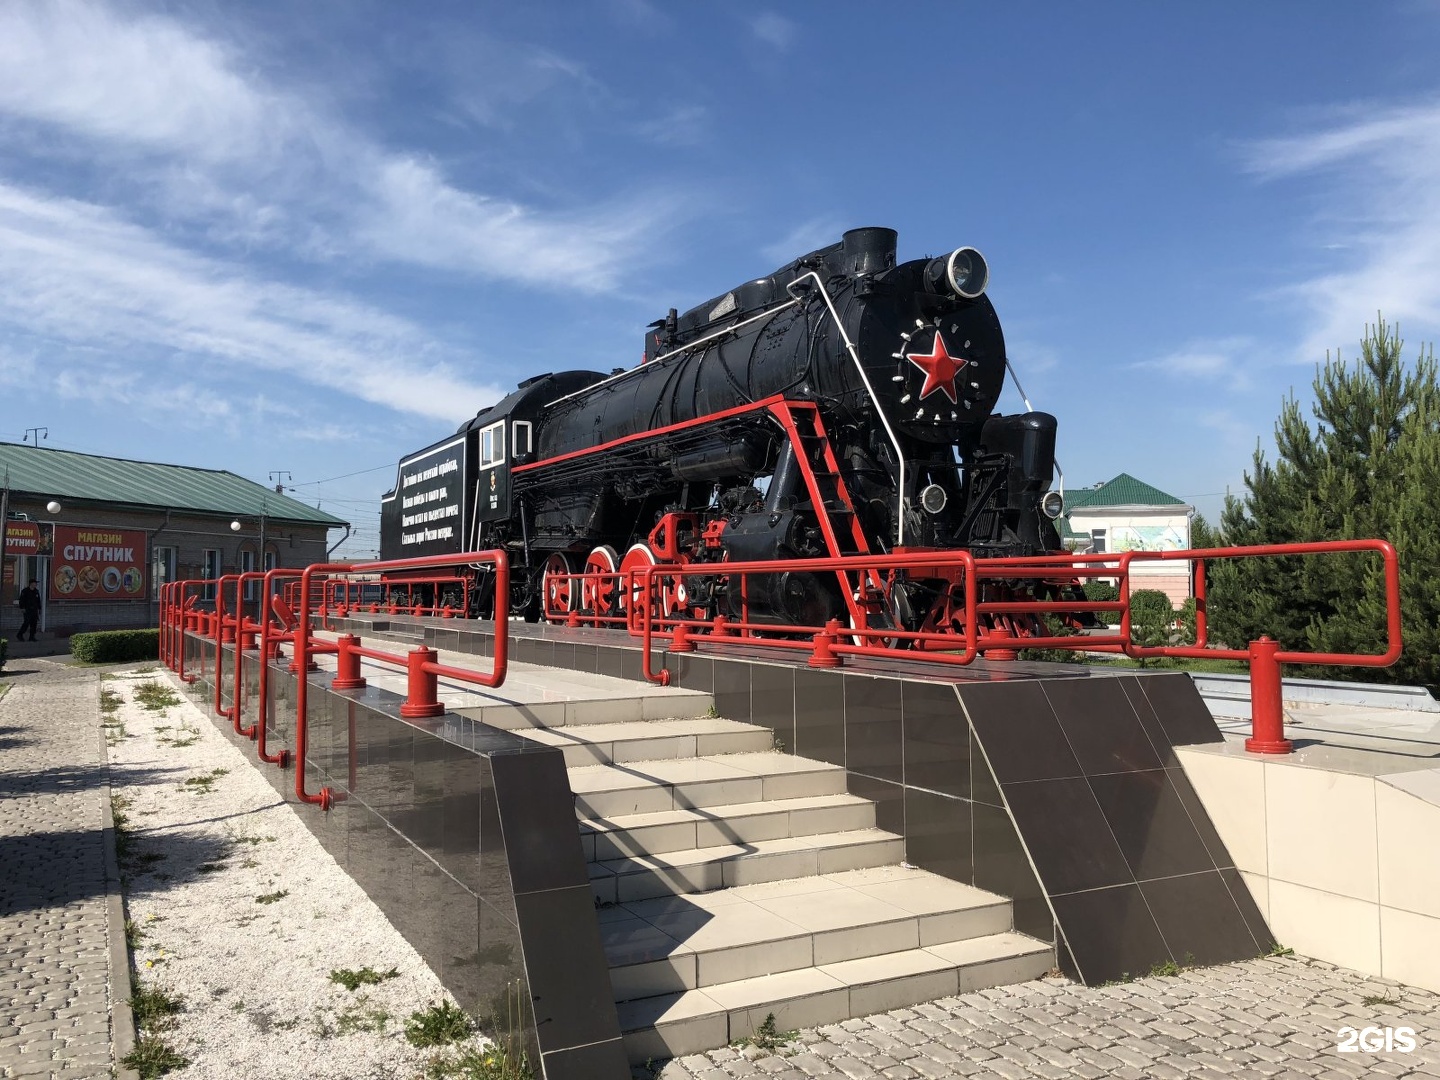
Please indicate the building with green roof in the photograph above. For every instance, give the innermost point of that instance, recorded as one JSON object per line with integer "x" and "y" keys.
{"x": 1126, "y": 514}
{"x": 101, "y": 535}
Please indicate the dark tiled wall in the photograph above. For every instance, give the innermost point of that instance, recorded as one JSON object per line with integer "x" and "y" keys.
{"x": 465, "y": 838}
{"x": 1133, "y": 867}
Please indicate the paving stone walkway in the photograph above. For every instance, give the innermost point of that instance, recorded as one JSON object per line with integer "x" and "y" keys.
{"x": 1279, "y": 1017}
{"x": 55, "y": 992}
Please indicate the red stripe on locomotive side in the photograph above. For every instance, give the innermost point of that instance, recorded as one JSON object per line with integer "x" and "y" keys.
{"x": 708, "y": 418}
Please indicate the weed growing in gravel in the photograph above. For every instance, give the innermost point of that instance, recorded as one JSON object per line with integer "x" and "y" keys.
{"x": 1371, "y": 1000}
{"x": 272, "y": 897}
{"x": 148, "y": 669}
{"x": 183, "y": 736}
{"x": 119, "y": 804}
{"x": 360, "y": 1017}
{"x": 133, "y": 934}
{"x": 492, "y": 1063}
{"x": 204, "y": 784}
{"x": 252, "y": 839}
{"x": 366, "y": 976}
{"x": 1280, "y": 950}
{"x": 155, "y": 1007}
{"x": 505, "y": 1058}
{"x": 152, "y": 1057}
{"x": 211, "y": 867}
{"x": 156, "y": 696}
{"x": 439, "y": 1025}
{"x": 766, "y": 1036}
{"x": 109, "y": 700}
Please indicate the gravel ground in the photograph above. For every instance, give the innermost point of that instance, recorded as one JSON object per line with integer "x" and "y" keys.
{"x": 242, "y": 914}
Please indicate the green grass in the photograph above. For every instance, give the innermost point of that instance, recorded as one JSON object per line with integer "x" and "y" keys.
{"x": 155, "y": 696}
{"x": 204, "y": 784}
{"x": 153, "y": 1057}
{"x": 1212, "y": 667}
{"x": 766, "y": 1036}
{"x": 366, "y": 976}
{"x": 154, "y": 1006}
{"x": 439, "y": 1025}
{"x": 492, "y": 1063}
{"x": 360, "y": 1018}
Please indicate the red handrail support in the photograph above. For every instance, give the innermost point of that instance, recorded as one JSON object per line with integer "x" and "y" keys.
{"x": 1267, "y": 711}
{"x": 423, "y": 688}
{"x": 347, "y": 664}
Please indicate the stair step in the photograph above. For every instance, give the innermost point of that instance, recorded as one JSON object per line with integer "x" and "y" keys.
{"x": 585, "y": 710}
{"x": 670, "y": 944}
{"x": 695, "y": 1020}
{"x": 652, "y": 740}
{"x": 611, "y": 791}
{"x": 741, "y": 823}
{"x": 700, "y": 870}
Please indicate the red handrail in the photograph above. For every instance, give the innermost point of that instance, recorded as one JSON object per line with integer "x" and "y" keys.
{"x": 828, "y": 645}
{"x": 424, "y": 668}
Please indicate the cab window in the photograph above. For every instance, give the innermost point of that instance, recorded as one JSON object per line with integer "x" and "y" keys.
{"x": 492, "y": 445}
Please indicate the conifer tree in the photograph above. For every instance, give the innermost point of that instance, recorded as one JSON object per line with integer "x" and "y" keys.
{"x": 1368, "y": 467}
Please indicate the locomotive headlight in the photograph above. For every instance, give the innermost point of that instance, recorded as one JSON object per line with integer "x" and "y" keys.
{"x": 1052, "y": 504}
{"x": 933, "y": 499}
{"x": 967, "y": 273}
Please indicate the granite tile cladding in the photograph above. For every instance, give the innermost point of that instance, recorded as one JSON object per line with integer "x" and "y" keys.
{"x": 1131, "y": 864}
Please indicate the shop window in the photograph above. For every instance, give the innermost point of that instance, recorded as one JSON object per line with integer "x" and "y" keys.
{"x": 210, "y": 570}
{"x": 1097, "y": 541}
{"x": 162, "y": 569}
{"x": 247, "y": 566}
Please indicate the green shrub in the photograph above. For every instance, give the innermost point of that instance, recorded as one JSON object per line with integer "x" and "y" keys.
{"x": 1103, "y": 591}
{"x": 1151, "y": 616}
{"x": 115, "y": 646}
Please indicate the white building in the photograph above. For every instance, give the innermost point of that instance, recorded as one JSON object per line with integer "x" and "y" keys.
{"x": 1125, "y": 514}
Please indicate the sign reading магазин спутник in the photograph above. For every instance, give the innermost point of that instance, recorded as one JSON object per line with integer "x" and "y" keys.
{"x": 90, "y": 563}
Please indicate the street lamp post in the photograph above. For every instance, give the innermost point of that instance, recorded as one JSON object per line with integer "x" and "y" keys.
{"x": 235, "y": 526}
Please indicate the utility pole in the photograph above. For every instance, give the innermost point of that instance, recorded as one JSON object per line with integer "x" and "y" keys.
{"x": 4, "y": 532}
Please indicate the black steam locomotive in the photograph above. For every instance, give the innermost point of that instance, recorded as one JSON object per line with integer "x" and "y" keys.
{"x": 840, "y": 405}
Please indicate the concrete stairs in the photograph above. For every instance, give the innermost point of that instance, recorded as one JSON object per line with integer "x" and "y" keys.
{"x": 733, "y": 881}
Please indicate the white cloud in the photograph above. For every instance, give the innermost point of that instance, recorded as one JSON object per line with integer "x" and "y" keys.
{"x": 1380, "y": 223}
{"x": 1222, "y": 359}
{"x": 140, "y": 80}
{"x": 76, "y": 275}
{"x": 188, "y": 127}
{"x": 774, "y": 30}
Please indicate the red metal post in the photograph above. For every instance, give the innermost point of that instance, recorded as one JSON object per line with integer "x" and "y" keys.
{"x": 224, "y": 635}
{"x": 1267, "y": 712}
{"x": 1001, "y": 650}
{"x": 824, "y": 655}
{"x": 422, "y": 696}
{"x": 347, "y": 673}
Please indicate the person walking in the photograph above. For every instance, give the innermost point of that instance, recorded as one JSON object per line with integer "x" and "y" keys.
{"x": 29, "y": 609}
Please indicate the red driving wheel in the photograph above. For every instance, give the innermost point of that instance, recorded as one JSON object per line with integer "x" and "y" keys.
{"x": 558, "y": 588}
{"x": 598, "y": 594}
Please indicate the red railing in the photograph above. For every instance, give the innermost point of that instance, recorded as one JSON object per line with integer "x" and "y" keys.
{"x": 345, "y": 595}
{"x": 984, "y": 625}
{"x": 287, "y": 616}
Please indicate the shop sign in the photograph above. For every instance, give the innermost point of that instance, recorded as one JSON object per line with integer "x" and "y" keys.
{"x": 97, "y": 564}
{"x": 24, "y": 538}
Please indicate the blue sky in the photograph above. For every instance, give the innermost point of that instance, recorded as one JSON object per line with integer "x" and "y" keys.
{"x": 312, "y": 237}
